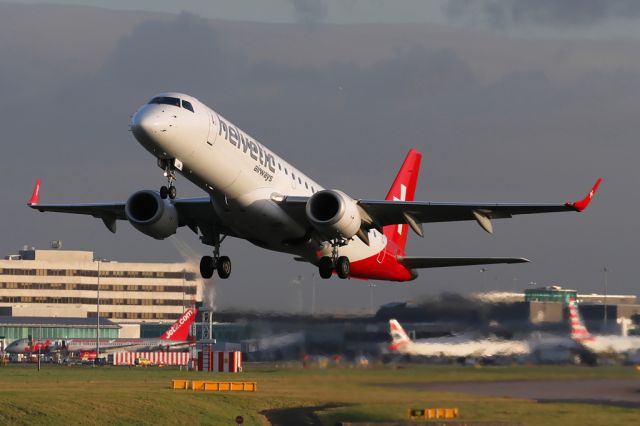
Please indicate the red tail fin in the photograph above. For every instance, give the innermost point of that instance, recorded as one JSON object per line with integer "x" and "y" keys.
{"x": 180, "y": 329}
{"x": 403, "y": 189}
{"x": 579, "y": 331}
{"x": 399, "y": 337}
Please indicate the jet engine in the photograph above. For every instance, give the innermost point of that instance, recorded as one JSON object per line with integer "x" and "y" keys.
{"x": 152, "y": 215}
{"x": 334, "y": 214}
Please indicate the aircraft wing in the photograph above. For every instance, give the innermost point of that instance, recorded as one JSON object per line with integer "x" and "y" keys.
{"x": 391, "y": 212}
{"x": 99, "y": 210}
{"x": 414, "y": 213}
{"x": 193, "y": 212}
{"x": 414, "y": 262}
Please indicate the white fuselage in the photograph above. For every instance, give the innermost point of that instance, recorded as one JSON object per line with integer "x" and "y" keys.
{"x": 612, "y": 344}
{"x": 455, "y": 347}
{"x": 243, "y": 178}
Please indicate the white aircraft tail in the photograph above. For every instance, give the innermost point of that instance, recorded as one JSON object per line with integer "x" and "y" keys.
{"x": 399, "y": 337}
{"x": 579, "y": 332}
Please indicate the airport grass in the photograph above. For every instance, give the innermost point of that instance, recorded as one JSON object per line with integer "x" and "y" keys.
{"x": 287, "y": 395}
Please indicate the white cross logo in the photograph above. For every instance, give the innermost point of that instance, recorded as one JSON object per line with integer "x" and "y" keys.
{"x": 403, "y": 197}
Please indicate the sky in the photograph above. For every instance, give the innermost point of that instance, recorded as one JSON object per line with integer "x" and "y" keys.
{"x": 509, "y": 101}
{"x": 282, "y": 11}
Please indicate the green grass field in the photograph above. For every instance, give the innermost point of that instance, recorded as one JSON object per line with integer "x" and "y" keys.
{"x": 124, "y": 395}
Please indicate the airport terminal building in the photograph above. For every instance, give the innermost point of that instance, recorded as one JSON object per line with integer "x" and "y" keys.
{"x": 75, "y": 284}
{"x": 14, "y": 328}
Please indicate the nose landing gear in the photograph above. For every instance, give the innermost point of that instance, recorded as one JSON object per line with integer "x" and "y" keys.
{"x": 169, "y": 173}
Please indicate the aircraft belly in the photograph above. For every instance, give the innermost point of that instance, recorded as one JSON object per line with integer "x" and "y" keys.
{"x": 357, "y": 250}
{"x": 257, "y": 218}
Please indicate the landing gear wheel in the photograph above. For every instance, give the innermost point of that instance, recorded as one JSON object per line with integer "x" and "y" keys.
{"x": 207, "y": 266}
{"x": 164, "y": 192}
{"x": 343, "y": 267}
{"x": 325, "y": 267}
{"x": 172, "y": 192}
{"x": 224, "y": 267}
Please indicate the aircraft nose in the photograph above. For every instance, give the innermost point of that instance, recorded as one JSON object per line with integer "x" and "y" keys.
{"x": 12, "y": 348}
{"x": 146, "y": 125}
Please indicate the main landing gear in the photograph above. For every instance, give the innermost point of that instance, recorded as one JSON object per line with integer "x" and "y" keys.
{"x": 222, "y": 264}
{"x": 341, "y": 264}
{"x": 168, "y": 191}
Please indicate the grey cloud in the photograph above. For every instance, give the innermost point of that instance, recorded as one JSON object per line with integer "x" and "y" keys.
{"x": 309, "y": 11}
{"x": 565, "y": 13}
{"x": 514, "y": 132}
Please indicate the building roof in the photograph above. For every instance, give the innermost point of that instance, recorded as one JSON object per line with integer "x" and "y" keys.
{"x": 550, "y": 288}
{"x": 55, "y": 322}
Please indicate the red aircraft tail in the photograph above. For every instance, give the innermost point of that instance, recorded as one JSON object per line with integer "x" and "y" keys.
{"x": 180, "y": 329}
{"x": 579, "y": 331}
{"x": 403, "y": 189}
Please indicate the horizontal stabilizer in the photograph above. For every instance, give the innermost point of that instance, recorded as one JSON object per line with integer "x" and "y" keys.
{"x": 414, "y": 262}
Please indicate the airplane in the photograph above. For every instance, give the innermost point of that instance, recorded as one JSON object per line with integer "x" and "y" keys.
{"x": 176, "y": 337}
{"x": 541, "y": 349}
{"x": 455, "y": 346}
{"x": 599, "y": 344}
{"x": 254, "y": 194}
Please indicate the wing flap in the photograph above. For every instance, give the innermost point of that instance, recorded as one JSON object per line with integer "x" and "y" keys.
{"x": 414, "y": 262}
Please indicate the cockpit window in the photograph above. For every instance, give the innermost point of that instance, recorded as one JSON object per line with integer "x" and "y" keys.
{"x": 165, "y": 100}
{"x": 187, "y": 105}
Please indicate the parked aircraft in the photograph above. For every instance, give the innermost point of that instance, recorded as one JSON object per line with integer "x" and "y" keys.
{"x": 454, "y": 347}
{"x": 600, "y": 344}
{"x": 256, "y": 195}
{"x": 176, "y": 337}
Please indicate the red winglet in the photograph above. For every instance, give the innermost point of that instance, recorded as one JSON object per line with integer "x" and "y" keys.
{"x": 582, "y": 204}
{"x": 35, "y": 196}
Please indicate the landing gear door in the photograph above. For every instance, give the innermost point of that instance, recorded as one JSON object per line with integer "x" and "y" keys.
{"x": 214, "y": 123}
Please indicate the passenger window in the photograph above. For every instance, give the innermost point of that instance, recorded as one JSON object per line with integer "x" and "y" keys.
{"x": 293, "y": 176}
{"x": 313, "y": 190}
{"x": 306, "y": 185}
{"x": 187, "y": 105}
{"x": 299, "y": 180}
{"x": 279, "y": 167}
{"x": 286, "y": 172}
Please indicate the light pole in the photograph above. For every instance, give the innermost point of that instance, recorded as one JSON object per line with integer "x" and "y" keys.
{"x": 40, "y": 347}
{"x": 482, "y": 272}
{"x": 313, "y": 294}
{"x": 297, "y": 285}
{"x": 605, "y": 271}
{"x": 371, "y": 287}
{"x": 98, "y": 318}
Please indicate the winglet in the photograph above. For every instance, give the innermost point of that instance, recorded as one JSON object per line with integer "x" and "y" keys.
{"x": 582, "y": 204}
{"x": 35, "y": 195}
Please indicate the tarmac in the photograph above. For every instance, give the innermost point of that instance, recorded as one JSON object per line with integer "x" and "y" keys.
{"x": 617, "y": 392}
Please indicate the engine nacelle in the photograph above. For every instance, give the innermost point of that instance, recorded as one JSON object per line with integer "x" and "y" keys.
{"x": 334, "y": 214}
{"x": 152, "y": 215}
